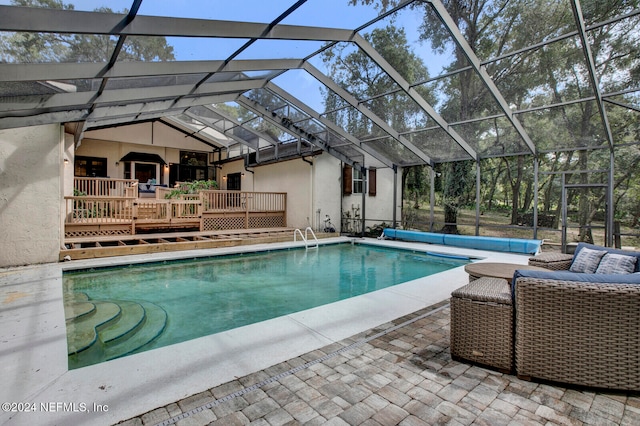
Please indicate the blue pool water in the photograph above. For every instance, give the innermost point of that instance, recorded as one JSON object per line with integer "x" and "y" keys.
{"x": 209, "y": 295}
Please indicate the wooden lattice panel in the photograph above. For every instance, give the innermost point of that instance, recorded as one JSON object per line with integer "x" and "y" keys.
{"x": 228, "y": 222}
{"x": 266, "y": 222}
{"x": 78, "y": 232}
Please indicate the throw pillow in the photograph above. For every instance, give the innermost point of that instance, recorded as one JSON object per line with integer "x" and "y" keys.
{"x": 613, "y": 263}
{"x": 587, "y": 260}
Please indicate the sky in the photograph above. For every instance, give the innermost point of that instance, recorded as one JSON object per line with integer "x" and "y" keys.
{"x": 324, "y": 13}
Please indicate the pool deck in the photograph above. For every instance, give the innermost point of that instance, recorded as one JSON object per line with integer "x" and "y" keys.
{"x": 380, "y": 358}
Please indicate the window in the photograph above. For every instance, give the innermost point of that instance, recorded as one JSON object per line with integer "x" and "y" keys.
{"x": 355, "y": 183}
{"x": 192, "y": 158}
{"x": 193, "y": 166}
{"x": 90, "y": 167}
{"x": 359, "y": 182}
{"x": 234, "y": 182}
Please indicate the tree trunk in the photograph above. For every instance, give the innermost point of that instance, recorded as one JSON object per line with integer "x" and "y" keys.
{"x": 456, "y": 175}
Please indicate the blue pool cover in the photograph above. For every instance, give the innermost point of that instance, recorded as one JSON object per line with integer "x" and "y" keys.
{"x": 509, "y": 245}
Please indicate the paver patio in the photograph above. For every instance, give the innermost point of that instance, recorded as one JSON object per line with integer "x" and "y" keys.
{"x": 399, "y": 373}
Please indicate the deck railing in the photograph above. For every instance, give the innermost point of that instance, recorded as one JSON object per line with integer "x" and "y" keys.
{"x": 207, "y": 210}
{"x": 169, "y": 211}
{"x": 104, "y": 187}
{"x": 97, "y": 210}
{"x": 215, "y": 201}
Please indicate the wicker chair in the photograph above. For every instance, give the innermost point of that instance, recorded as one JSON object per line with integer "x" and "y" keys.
{"x": 580, "y": 333}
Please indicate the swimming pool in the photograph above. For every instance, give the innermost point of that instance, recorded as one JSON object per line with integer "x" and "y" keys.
{"x": 141, "y": 307}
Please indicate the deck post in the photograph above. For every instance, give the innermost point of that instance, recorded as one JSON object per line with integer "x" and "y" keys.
{"x": 246, "y": 209}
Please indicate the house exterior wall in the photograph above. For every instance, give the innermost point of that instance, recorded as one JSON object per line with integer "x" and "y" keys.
{"x": 315, "y": 191}
{"x": 31, "y": 170}
{"x": 378, "y": 208}
{"x": 154, "y": 134}
{"x": 151, "y": 138}
{"x": 327, "y": 191}
{"x": 114, "y": 151}
{"x": 34, "y": 173}
{"x": 293, "y": 177}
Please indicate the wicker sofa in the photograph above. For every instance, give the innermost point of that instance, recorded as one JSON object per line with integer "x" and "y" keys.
{"x": 579, "y": 328}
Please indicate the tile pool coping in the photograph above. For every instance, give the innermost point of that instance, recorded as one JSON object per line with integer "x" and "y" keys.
{"x": 33, "y": 357}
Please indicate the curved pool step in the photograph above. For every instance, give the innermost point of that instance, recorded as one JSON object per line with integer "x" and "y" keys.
{"x": 111, "y": 328}
{"x": 155, "y": 322}
{"x": 131, "y": 317}
{"x": 77, "y": 305}
{"x": 82, "y": 331}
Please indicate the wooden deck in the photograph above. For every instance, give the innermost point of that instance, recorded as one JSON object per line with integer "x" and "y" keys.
{"x": 114, "y": 210}
{"x": 107, "y": 246}
{"x": 106, "y": 217}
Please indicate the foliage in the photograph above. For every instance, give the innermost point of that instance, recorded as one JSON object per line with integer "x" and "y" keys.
{"x": 415, "y": 184}
{"x": 356, "y": 72}
{"x": 194, "y": 187}
{"x": 271, "y": 103}
{"x": 51, "y": 47}
{"x": 554, "y": 75}
{"x": 457, "y": 176}
{"x": 375, "y": 230}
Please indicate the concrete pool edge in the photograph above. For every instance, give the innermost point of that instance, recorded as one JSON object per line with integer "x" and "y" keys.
{"x": 177, "y": 371}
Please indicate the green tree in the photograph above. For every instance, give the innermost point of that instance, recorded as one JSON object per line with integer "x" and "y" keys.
{"x": 415, "y": 184}
{"x": 363, "y": 78}
{"x": 43, "y": 47}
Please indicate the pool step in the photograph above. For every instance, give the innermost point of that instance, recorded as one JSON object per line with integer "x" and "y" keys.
{"x": 132, "y": 316}
{"x": 155, "y": 321}
{"x": 77, "y": 305}
{"x": 100, "y": 330}
{"x": 82, "y": 331}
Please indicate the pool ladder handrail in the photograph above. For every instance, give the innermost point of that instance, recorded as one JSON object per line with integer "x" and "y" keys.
{"x": 305, "y": 237}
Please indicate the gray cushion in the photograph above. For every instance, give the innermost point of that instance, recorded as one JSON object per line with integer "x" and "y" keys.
{"x": 610, "y": 250}
{"x": 587, "y": 260}
{"x": 612, "y": 263}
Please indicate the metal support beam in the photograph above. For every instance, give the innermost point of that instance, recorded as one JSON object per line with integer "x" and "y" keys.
{"x": 595, "y": 85}
{"x": 444, "y": 16}
{"x": 365, "y": 111}
{"x": 328, "y": 124}
{"x": 563, "y": 200}
{"x": 536, "y": 188}
{"x": 610, "y": 200}
{"x": 33, "y": 19}
{"x": 126, "y": 96}
{"x": 395, "y": 196}
{"x": 478, "y": 182}
{"x": 413, "y": 94}
{"x": 268, "y": 116}
{"x": 432, "y": 198}
{"x": 88, "y": 70}
{"x": 365, "y": 179}
{"x": 591, "y": 66}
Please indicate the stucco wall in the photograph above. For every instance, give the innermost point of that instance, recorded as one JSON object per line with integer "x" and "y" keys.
{"x": 379, "y": 208}
{"x": 314, "y": 192}
{"x": 152, "y": 138}
{"x": 114, "y": 151}
{"x": 294, "y": 178}
{"x": 327, "y": 190}
{"x": 31, "y": 166}
{"x": 155, "y": 134}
